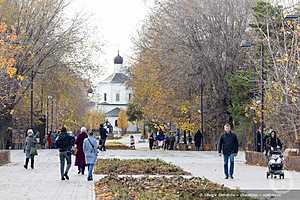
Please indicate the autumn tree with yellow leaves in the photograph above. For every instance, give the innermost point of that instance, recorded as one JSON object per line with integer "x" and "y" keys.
{"x": 93, "y": 119}
{"x": 36, "y": 40}
{"x": 181, "y": 46}
{"x": 123, "y": 121}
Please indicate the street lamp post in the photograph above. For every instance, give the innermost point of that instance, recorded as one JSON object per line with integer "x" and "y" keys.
{"x": 201, "y": 98}
{"x": 47, "y": 118}
{"x": 202, "y": 105}
{"x": 262, "y": 93}
{"x": 52, "y": 111}
{"x": 247, "y": 44}
{"x": 31, "y": 99}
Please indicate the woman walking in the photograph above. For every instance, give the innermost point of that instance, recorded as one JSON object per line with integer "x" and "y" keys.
{"x": 80, "y": 157}
{"x": 30, "y": 149}
{"x": 90, "y": 151}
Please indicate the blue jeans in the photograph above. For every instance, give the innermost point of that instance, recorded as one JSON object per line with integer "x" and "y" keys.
{"x": 229, "y": 158}
{"x": 90, "y": 169}
{"x": 64, "y": 156}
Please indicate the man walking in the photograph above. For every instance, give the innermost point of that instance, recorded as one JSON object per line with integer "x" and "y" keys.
{"x": 64, "y": 142}
{"x": 103, "y": 136}
{"x": 228, "y": 144}
{"x": 198, "y": 140}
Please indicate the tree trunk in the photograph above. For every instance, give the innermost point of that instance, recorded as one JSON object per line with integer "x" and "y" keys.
{"x": 5, "y": 123}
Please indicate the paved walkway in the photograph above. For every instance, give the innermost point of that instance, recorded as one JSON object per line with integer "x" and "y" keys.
{"x": 210, "y": 165}
{"x": 44, "y": 182}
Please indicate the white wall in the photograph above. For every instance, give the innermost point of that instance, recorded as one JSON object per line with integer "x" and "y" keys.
{"x": 111, "y": 90}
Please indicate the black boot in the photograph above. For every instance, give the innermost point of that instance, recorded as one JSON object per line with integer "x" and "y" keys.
{"x": 26, "y": 163}
{"x": 32, "y": 162}
{"x": 66, "y": 176}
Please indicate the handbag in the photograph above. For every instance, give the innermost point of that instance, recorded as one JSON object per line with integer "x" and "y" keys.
{"x": 33, "y": 151}
{"x": 74, "y": 150}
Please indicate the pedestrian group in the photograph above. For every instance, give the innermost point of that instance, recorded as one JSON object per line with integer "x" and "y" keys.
{"x": 84, "y": 146}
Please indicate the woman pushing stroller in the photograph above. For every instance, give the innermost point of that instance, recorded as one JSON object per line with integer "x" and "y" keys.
{"x": 275, "y": 157}
{"x": 273, "y": 143}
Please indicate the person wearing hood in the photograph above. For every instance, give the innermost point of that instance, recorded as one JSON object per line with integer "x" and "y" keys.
{"x": 30, "y": 148}
{"x": 80, "y": 157}
{"x": 90, "y": 152}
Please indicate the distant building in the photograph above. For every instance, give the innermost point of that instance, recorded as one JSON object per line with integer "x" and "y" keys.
{"x": 287, "y": 4}
{"x": 114, "y": 94}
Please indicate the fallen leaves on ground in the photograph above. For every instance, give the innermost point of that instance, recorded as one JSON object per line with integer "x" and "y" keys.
{"x": 114, "y": 145}
{"x": 137, "y": 167}
{"x": 163, "y": 188}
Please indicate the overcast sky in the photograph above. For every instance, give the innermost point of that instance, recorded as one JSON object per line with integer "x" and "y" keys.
{"x": 117, "y": 21}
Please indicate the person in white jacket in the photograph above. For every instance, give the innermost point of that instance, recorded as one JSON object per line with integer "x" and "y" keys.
{"x": 90, "y": 151}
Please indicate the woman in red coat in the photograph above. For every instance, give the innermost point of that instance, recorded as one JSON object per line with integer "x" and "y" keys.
{"x": 80, "y": 157}
{"x": 49, "y": 140}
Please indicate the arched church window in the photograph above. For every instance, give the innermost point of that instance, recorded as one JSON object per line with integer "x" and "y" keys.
{"x": 105, "y": 97}
{"x": 117, "y": 97}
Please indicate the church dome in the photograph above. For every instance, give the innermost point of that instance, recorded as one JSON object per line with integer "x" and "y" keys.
{"x": 118, "y": 59}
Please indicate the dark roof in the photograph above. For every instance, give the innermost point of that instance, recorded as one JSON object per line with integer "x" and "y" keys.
{"x": 112, "y": 104}
{"x": 117, "y": 78}
{"x": 113, "y": 113}
{"x": 118, "y": 59}
{"x": 103, "y": 103}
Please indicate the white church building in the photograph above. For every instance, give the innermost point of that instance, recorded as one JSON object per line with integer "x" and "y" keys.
{"x": 114, "y": 95}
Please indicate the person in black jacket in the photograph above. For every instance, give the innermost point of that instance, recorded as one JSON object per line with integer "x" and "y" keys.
{"x": 229, "y": 145}
{"x": 198, "y": 140}
{"x": 273, "y": 143}
{"x": 103, "y": 136}
{"x": 64, "y": 143}
{"x": 151, "y": 141}
{"x": 259, "y": 140}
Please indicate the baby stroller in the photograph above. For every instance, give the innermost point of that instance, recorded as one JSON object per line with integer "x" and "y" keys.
{"x": 275, "y": 163}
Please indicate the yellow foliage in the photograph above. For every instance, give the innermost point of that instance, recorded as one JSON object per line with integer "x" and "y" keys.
{"x": 184, "y": 108}
{"x": 11, "y": 71}
{"x": 123, "y": 120}
{"x": 11, "y": 62}
{"x": 12, "y": 37}
{"x": 187, "y": 126}
{"x": 3, "y": 27}
{"x": 93, "y": 119}
{"x": 20, "y": 77}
